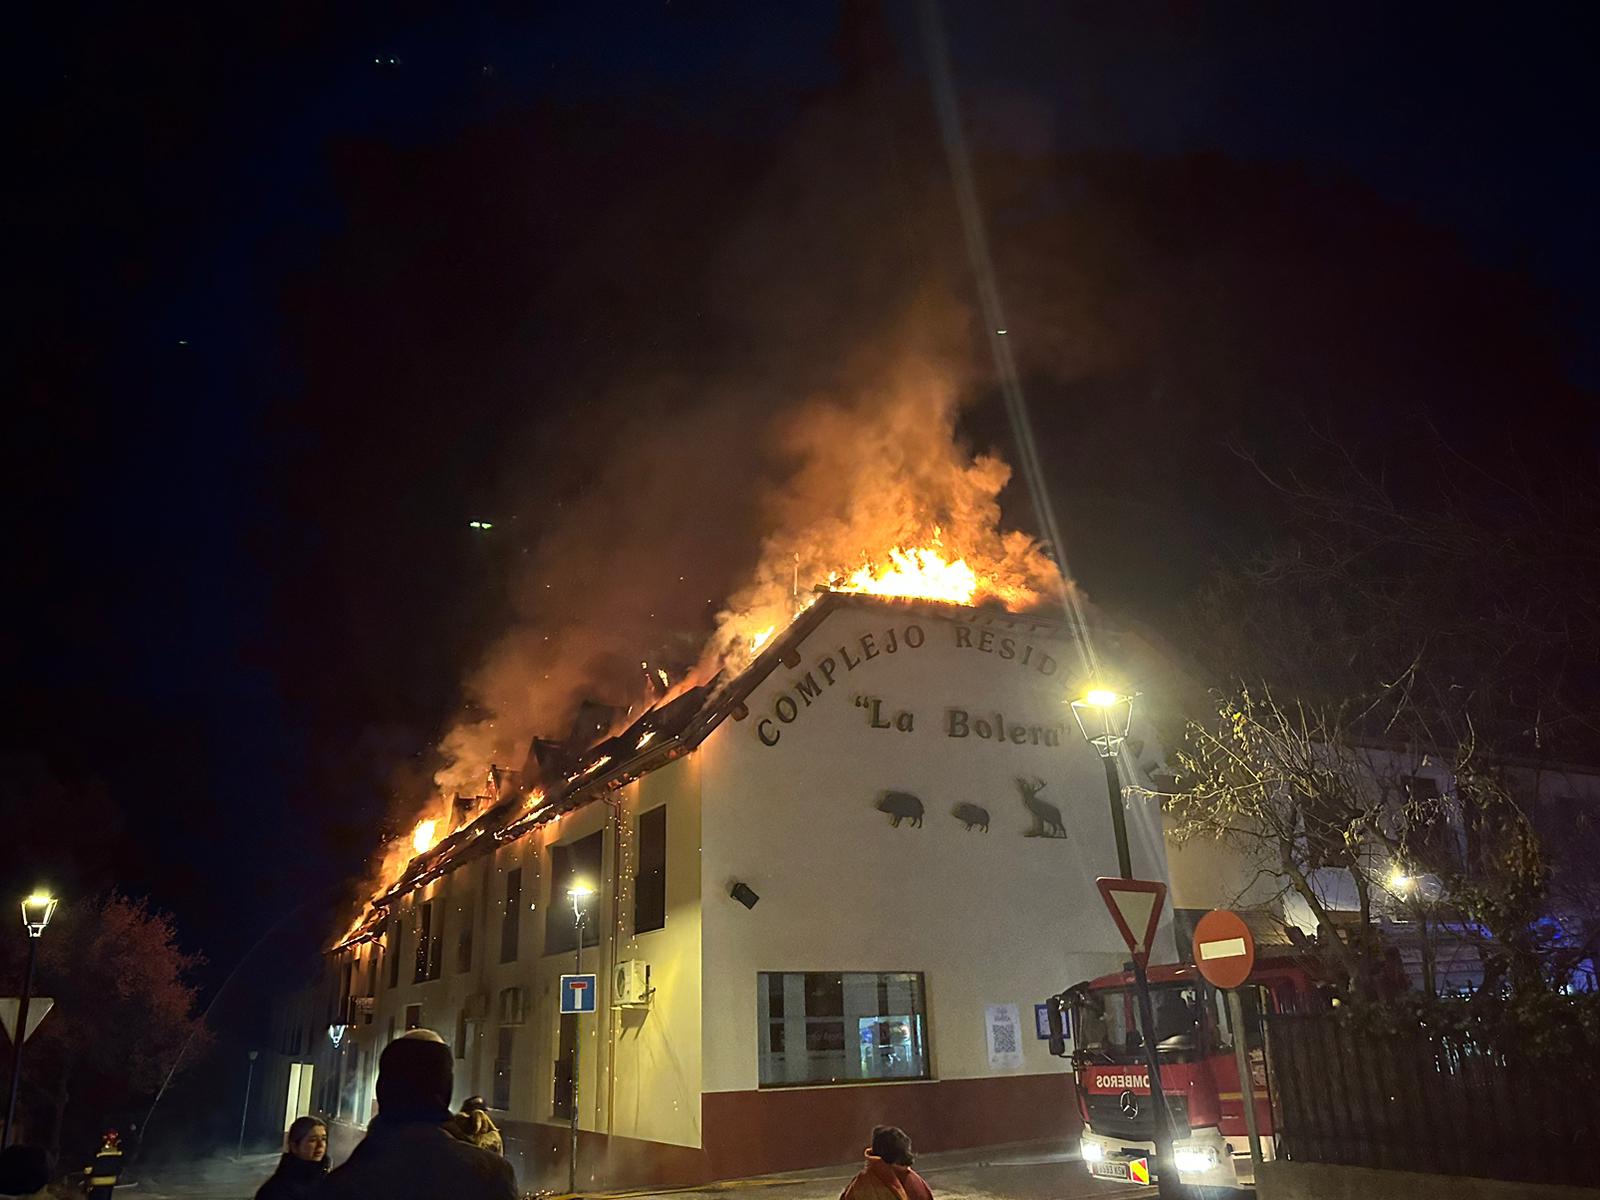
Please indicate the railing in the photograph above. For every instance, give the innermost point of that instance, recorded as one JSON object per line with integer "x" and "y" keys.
{"x": 1435, "y": 1103}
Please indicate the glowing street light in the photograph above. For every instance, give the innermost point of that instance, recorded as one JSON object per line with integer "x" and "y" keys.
{"x": 1103, "y": 717}
{"x": 37, "y": 910}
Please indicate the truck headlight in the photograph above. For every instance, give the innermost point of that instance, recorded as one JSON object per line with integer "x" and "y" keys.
{"x": 1194, "y": 1159}
{"x": 1092, "y": 1151}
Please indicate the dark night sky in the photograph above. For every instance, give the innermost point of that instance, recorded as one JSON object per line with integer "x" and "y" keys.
{"x": 293, "y": 314}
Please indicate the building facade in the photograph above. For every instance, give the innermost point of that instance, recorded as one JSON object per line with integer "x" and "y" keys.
{"x": 828, "y": 894}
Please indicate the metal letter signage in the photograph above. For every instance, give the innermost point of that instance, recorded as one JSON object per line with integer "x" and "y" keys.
{"x": 1224, "y": 951}
{"x": 577, "y": 993}
{"x": 1135, "y": 906}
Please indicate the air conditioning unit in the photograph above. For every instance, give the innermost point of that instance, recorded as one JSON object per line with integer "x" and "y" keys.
{"x": 632, "y": 983}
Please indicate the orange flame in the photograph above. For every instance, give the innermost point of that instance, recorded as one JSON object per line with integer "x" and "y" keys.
{"x": 921, "y": 572}
{"x": 422, "y": 837}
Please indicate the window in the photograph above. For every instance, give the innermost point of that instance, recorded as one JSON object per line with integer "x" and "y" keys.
{"x": 569, "y": 864}
{"x": 561, "y": 1097}
{"x": 504, "y": 1055}
{"x": 393, "y": 950}
{"x": 844, "y": 1027}
{"x": 389, "y": 1037}
{"x": 1430, "y": 839}
{"x": 430, "y": 942}
{"x": 511, "y": 919}
{"x": 650, "y": 880}
{"x": 413, "y": 1017}
{"x": 464, "y": 946}
{"x": 513, "y": 1005}
{"x": 461, "y": 1034}
{"x": 1326, "y": 823}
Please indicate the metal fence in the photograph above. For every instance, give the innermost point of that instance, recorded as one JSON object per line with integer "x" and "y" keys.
{"x": 1440, "y": 1104}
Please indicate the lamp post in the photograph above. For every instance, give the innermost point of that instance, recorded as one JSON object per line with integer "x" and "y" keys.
{"x": 1104, "y": 717}
{"x": 578, "y": 892}
{"x": 249, "y": 1078}
{"x": 37, "y": 910}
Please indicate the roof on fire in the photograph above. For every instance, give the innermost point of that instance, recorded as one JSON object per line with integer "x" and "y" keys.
{"x": 661, "y": 735}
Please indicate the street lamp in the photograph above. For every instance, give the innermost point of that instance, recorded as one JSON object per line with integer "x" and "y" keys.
{"x": 37, "y": 910}
{"x": 1104, "y": 717}
{"x": 578, "y": 893}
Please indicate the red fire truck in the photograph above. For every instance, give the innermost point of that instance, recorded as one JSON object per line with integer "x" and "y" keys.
{"x": 1195, "y": 1044}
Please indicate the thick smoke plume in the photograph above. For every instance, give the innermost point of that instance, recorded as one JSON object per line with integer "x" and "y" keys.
{"x": 815, "y": 486}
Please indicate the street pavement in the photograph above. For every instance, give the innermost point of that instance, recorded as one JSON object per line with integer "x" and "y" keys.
{"x": 1034, "y": 1171}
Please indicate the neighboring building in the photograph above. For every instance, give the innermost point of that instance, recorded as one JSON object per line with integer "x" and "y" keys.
{"x": 1415, "y": 914}
{"x": 830, "y": 893}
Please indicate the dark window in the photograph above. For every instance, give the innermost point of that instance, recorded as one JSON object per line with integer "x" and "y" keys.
{"x": 574, "y": 863}
{"x": 392, "y": 950}
{"x": 1430, "y": 838}
{"x": 841, "y": 1027}
{"x": 504, "y": 1056}
{"x": 1326, "y": 822}
{"x": 561, "y": 1100}
{"x": 430, "y": 943}
{"x": 389, "y": 1037}
{"x": 413, "y": 1017}
{"x": 511, "y": 919}
{"x": 650, "y": 881}
{"x": 513, "y": 1005}
{"x": 464, "y": 946}
{"x": 461, "y": 1034}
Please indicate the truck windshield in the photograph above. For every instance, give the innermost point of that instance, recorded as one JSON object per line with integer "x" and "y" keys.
{"x": 1105, "y": 1022}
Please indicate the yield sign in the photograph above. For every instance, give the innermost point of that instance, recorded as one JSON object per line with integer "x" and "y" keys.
{"x": 1135, "y": 906}
{"x": 37, "y": 1007}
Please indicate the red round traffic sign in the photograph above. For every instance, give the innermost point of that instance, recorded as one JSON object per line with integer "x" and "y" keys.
{"x": 1224, "y": 951}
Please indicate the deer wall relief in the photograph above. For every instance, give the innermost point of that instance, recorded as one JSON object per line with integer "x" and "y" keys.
{"x": 1046, "y": 816}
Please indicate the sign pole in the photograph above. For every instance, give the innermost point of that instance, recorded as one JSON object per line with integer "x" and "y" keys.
{"x": 577, "y": 1038}
{"x": 20, "y": 1036}
{"x": 1136, "y": 919}
{"x": 1167, "y": 1183}
{"x": 1247, "y": 1083}
{"x": 1225, "y": 954}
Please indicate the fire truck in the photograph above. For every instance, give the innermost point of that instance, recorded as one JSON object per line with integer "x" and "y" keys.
{"x": 1199, "y": 1072}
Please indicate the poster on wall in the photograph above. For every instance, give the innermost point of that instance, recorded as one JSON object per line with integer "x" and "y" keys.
{"x": 1005, "y": 1040}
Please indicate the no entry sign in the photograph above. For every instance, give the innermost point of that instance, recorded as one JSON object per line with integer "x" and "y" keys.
{"x": 1224, "y": 951}
{"x": 1135, "y": 906}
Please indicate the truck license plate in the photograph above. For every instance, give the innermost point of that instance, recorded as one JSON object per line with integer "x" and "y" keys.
{"x": 1109, "y": 1170}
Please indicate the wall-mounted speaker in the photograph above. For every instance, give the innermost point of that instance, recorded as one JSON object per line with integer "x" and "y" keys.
{"x": 744, "y": 894}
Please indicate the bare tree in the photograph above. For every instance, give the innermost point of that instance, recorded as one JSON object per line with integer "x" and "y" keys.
{"x": 1338, "y": 819}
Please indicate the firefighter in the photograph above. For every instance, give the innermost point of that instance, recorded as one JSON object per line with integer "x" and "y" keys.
{"x": 101, "y": 1176}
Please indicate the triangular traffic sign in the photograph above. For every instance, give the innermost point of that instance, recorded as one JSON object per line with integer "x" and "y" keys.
{"x": 1135, "y": 906}
{"x": 38, "y": 1006}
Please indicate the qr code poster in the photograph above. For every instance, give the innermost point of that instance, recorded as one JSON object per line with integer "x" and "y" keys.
{"x": 1005, "y": 1037}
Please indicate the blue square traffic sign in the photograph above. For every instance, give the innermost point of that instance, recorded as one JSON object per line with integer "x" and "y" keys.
{"x": 577, "y": 993}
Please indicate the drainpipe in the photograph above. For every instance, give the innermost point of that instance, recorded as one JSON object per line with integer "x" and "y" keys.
{"x": 616, "y": 926}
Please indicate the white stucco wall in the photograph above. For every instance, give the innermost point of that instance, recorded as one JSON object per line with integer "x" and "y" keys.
{"x": 989, "y": 918}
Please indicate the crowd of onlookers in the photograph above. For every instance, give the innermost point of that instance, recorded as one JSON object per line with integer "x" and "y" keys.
{"x": 416, "y": 1148}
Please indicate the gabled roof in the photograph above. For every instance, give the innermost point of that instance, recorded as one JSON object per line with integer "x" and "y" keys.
{"x": 664, "y": 733}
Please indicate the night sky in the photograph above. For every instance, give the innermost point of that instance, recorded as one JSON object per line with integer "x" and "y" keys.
{"x": 304, "y": 290}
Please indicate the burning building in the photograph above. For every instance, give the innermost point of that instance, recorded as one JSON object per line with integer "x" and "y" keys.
{"x": 829, "y": 889}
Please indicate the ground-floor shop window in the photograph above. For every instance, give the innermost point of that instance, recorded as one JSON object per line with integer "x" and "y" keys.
{"x": 841, "y": 1027}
